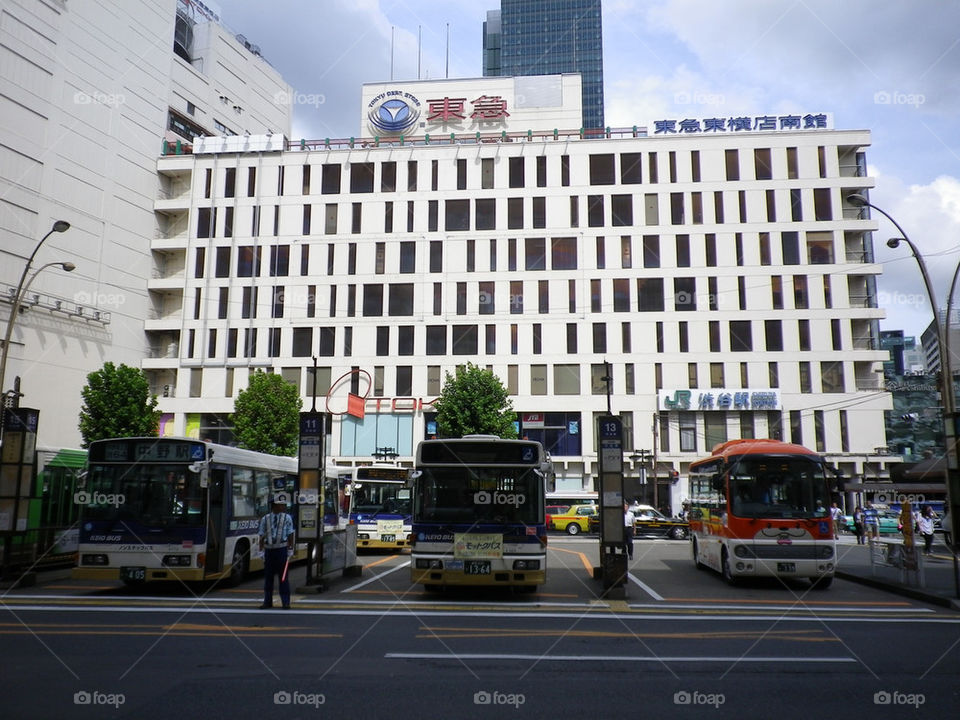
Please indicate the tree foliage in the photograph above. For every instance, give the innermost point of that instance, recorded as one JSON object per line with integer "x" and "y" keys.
{"x": 474, "y": 401}
{"x": 266, "y": 416}
{"x": 117, "y": 403}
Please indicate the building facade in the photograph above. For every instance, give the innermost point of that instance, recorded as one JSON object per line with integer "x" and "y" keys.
{"x": 533, "y": 37}
{"x": 718, "y": 278}
{"x": 89, "y": 94}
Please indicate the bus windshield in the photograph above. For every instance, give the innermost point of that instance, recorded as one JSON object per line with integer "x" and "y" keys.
{"x": 372, "y": 497}
{"x": 774, "y": 487}
{"x": 155, "y": 495}
{"x": 478, "y": 495}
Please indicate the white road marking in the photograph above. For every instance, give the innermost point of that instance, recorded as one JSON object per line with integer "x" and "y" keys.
{"x": 646, "y": 588}
{"x": 617, "y": 658}
{"x": 376, "y": 577}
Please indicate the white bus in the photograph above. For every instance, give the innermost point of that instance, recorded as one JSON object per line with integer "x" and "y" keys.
{"x": 380, "y": 506}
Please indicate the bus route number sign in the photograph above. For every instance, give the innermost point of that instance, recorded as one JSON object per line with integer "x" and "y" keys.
{"x": 611, "y": 444}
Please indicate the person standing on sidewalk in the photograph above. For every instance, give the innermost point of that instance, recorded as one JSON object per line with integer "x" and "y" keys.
{"x": 276, "y": 543}
{"x": 837, "y": 514}
{"x": 871, "y": 521}
{"x": 925, "y": 526}
{"x": 858, "y": 525}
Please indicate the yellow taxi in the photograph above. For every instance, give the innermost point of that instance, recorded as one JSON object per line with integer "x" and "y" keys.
{"x": 575, "y": 520}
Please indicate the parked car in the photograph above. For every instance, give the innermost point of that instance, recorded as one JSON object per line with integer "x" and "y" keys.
{"x": 650, "y": 521}
{"x": 575, "y": 520}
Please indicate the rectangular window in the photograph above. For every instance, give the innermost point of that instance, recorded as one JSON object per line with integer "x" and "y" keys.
{"x": 206, "y": 222}
{"x": 277, "y": 302}
{"x": 485, "y": 214}
{"x": 388, "y": 177}
{"x": 718, "y": 206}
{"x": 651, "y": 209}
{"x": 773, "y": 375}
{"x": 248, "y": 261}
{"x": 601, "y": 253}
{"x": 539, "y": 212}
{"x": 595, "y": 211}
{"x": 228, "y": 222}
{"x": 411, "y": 176}
{"x": 388, "y": 217}
{"x": 408, "y": 256}
{"x": 222, "y": 265}
{"x": 456, "y": 215}
{"x": 356, "y": 218}
{"x": 796, "y": 205}
{"x": 566, "y": 379}
{"x": 537, "y": 339}
{"x": 251, "y": 181}
{"x": 571, "y": 338}
{"x": 330, "y": 180}
{"x": 836, "y": 335}
{"x": 631, "y": 169}
{"x": 672, "y": 163}
{"x": 776, "y": 292}
{"x": 626, "y": 252}
{"x": 563, "y": 253}
{"x": 436, "y": 340}
{"x": 773, "y": 332}
{"x": 621, "y": 295}
{"x": 602, "y": 169}
{"x": 599, "y": 337}
{"x": 487, "y": 301}
{"x": 688, "y": 432}
{"x": 302, "y": 342}
{"x": 676, "y": 209}
{"x": 695, "y": 165}
{"x": 326, "y": 347}
{"x": 741, "y": 336}
{"x": 790, "y": 244}
{"x": 822, "y": 207}
{"x": 796, "y": 428}
{"x": 279, "y": 261}
{"x": 361, "y": 177}
{"x": 801, "y": 299}
{"x": 683, "y": 250}
{"x": 732, "y": 159}
{"x": 574, "y": 211}
{"x": 433, "y": 214}
{"x": 803, "y": 333}
{"x": 621, "y": 210}
{"x": 514, "y": 213}
{"x": 683, "y": 337}
{"x": 571, "y": 296}
{"x": 651, "y": 251}
{"x": 436, "y": 256}
{"x": 652, "y": 172}
{"x": 543, "y": 295}
{"x": 516, "y": 297}
{"x": 770, "y": 200}
{"x": 400, "y": 300}
{"x": 792, "y": 172}
{"x": 515, "y": 176}
{"x": 535, "y": 254}
{"x": 742, "y": 292}
{"x": 404, "y": 380}
{"x": 761, "y": 160}
{"x": 465, "y": 339}
{"x": 461, "y": 174}
{"x": 330, "y": 219}
{"x": 305, "y": 186}
{"x": 273, "y": 342}
{"x": 490, "y": 333}
{"x": 650, "y": 296}
{"x": 713, "y": 333}
{"x": 565, "y": 170}
{"x": 806, "y": 386}
{"x": 372, "y": 300}
{"x": 596, "y": 296}
{"x": 684, "y": 294}
{"x": 461, "y": 298}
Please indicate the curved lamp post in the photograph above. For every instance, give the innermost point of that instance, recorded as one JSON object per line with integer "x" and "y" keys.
{"x": 946, "y": 372}
{"x": 59, "y": 226}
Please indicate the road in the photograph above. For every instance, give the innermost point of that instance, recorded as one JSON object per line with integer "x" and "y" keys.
{"x": 683, "y": 644}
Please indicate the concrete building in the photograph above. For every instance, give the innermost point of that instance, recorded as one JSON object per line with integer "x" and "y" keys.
{"x": 89, "y": 93}
{"x": 533, "y": 37}
{"x": 711, "y": 268}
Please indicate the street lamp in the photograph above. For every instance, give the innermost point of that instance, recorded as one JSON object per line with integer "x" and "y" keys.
{"x": 59, "y": 226}
{"x": 946, "y": 372}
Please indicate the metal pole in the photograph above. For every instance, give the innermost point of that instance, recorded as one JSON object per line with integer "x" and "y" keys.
{"x": 946, "y": 373}
{"x": 59, "y": 226}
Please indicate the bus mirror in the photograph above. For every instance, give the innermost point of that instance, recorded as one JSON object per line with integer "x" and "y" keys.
{"x": 716, "y": 482}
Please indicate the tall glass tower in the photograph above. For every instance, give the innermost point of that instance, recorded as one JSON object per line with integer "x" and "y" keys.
{"x": 543, "y": 37}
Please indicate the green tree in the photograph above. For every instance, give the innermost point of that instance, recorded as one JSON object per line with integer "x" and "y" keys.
{"x": 266, "y": 416}
{"x": 117, "y": 403}
{"x": 474, "y": 401}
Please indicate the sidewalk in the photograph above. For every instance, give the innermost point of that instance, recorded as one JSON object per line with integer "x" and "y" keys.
{"x": 937, "y": 573}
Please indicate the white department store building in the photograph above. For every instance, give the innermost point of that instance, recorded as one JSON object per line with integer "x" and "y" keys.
{"x": 714, "y": 263}
{"x": 88, "y": 94}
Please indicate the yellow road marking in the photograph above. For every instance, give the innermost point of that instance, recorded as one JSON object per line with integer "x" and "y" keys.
{"x": 381, "y": 560}
{"x": 177, "y": 630}
{"x": 583, "y": 558}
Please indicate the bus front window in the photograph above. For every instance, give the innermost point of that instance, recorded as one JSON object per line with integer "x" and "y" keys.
{"x": 151, "y": 495}
{"x": 775, "y": 488}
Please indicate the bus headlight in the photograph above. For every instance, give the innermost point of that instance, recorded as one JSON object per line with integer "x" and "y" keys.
{"x": 94, "y": 559}
{"x": 429, "y": 564}
{"x": 526, "y": 564}
{"x": 176, "y": 560}
{"x": 825, "y": 551}
{"x": 743, "y": 551}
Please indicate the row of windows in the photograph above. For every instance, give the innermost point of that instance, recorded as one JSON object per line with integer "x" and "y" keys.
{"x": 469, "y": 339}
{"x": 517, "y": 297}
{"x": 627, "y": 168}
{"x": 531, "y": 254}
{"x": 480, "y": 214}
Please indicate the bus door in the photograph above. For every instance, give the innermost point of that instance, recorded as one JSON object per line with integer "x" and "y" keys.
{"x": 215, "y": 520}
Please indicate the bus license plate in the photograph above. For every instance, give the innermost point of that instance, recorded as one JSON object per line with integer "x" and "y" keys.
{"x": 786, "y": 567}
{"x": 133, "y": 574}
{"x": 388, "y": 538}
{"x": 476, "y": 567}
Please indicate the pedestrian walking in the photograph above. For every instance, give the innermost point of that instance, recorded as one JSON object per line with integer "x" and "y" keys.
{"x": 871, "y": 521}
{"x": 925, "y": 527}
{"x": 629, "y": 520}
{"x": 837, "y": 515}
{"x": 276, "y": 543}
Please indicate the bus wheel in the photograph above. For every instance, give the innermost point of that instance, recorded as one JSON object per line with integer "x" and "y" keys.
{"x": 725, "y": 570}
{"x": 573, "y": 529}
{"x": 240, "y": 565}
{"x": 822, "y": 582}
{"x": 696, "y": 556}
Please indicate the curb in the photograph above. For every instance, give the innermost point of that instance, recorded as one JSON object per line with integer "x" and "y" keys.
{"x": 913, "y": 593}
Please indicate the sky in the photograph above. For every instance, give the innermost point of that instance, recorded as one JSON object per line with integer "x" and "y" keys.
{"x": 889, "y": 67}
